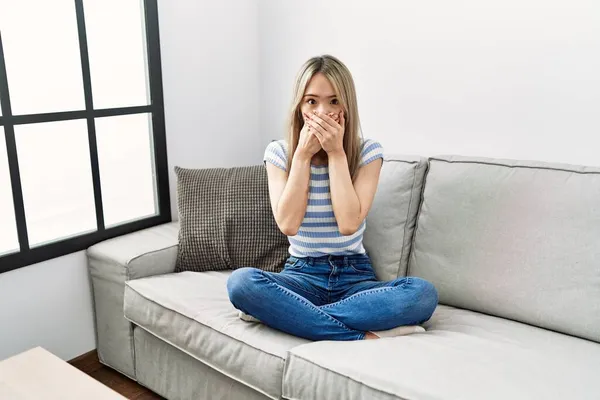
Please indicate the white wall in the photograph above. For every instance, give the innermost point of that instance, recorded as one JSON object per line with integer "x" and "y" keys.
{"x": 47, "y": 304}
{"x": 210, "y": 62}
{"x": 504, "y": 78}
{"x": 211, "y": 90}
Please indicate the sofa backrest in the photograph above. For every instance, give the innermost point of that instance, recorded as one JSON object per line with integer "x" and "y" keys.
{"x": 391, "y": 220}
{"x": 515, "y": 239}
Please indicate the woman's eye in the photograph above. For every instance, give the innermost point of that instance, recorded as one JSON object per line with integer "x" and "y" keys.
{"x": 335, "y": 101}
{"x": 311, "y": 101}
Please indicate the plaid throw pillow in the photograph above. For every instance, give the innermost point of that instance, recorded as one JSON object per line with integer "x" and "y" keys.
{"x": 226, "y": 221}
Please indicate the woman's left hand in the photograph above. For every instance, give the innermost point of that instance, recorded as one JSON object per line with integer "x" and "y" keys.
{"x": 329, "y": 132}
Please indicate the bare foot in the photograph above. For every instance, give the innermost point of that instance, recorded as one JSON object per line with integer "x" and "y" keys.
{"x": 370, "y": 335}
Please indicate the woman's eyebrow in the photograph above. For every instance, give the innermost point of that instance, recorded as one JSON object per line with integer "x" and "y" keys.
{"x": 314, "y": 95}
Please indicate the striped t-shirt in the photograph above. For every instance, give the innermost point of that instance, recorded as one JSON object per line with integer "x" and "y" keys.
{"x": 319, "y": 234}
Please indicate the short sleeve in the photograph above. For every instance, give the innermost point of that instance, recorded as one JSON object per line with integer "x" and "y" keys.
{"x": 276, "y": 154}
{"x": 371, "y": 151}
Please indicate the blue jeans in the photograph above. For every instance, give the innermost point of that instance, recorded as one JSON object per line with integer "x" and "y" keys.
{"x": 330, "y": 298}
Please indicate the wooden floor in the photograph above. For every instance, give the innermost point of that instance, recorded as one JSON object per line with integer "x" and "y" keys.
{"x": 90, "y": 364}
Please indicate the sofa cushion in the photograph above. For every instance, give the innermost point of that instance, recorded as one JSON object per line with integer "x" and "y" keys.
{"x": 226, "y": 220}
{"x": 174, "y": 374}
{"x": 463, "y": 355}
{"x": 515, "y": 239}
{"x": 192, "y": 311}
{"x": 391, "y": 220}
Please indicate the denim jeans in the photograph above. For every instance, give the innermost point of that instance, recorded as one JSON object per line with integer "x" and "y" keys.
{"x": 330, "y": 298}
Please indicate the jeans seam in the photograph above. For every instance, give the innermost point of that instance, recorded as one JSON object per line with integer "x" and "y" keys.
{"x": 305, "y": 302}
{"x": 299, "y": 287}
{"x": 360, "y": 294}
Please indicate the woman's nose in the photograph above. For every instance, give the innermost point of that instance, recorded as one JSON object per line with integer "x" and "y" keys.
{"x": 324, "y": 109}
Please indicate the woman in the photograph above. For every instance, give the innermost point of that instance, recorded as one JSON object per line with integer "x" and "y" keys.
{"x": 322, "y": 181}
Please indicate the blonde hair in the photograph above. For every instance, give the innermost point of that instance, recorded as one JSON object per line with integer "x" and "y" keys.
{"x": 340, "y": 78}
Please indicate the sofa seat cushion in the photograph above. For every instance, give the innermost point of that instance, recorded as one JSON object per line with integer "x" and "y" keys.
{"x": 192, "y": 311}
{"x": 463, "y": 355}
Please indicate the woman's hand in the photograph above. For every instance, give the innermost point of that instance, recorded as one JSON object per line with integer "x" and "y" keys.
{"x": 329, "y": 130}
{"x": 308, "y": 144}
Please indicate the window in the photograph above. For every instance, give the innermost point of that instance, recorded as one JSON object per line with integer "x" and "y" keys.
{"x": 82, "y": 136}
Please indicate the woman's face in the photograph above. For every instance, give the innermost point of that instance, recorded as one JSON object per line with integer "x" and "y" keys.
{"x": 320, "y": 96}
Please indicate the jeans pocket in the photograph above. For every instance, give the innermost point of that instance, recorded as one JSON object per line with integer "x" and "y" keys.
{"x": 294, "y": 264}
{"x": 362, "y": 267}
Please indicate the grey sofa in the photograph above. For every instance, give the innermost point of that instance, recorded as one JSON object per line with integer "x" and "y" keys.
{"x": 513, "y": 248}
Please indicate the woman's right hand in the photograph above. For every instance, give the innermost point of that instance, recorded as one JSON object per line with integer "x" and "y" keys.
{"x": 308, "y": 145}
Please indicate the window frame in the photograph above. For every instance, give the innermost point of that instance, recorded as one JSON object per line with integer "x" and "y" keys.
{"x": 27, "y": 255}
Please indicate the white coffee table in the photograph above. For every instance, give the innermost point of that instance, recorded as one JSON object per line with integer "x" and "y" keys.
{"x": 38, "y": 374}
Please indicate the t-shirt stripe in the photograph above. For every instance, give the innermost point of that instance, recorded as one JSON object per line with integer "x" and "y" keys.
{"x": 319, "y": 202}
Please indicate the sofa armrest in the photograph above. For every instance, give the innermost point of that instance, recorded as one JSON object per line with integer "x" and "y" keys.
{"x": 148, "y": 252}
{"x": 113, "y": 262}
